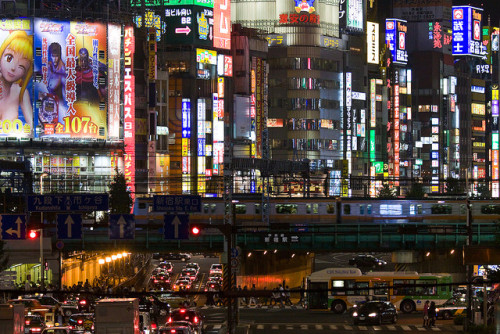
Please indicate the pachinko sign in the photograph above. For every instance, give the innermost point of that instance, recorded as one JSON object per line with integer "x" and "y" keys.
{"x": 467, "y": 31}
{"x": 16, "y": 81}
{"x": 129, "y": 109}
{"x": 70, "y": 68}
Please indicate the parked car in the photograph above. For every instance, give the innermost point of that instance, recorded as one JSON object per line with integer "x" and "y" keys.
{"x": 375, "y": 312}
{"x": 367, "y": 261}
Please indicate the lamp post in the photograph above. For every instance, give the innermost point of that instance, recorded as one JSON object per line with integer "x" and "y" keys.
{"x": 42, "y": 262}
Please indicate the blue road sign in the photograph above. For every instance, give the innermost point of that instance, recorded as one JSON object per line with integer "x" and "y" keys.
{"x": 121, "y": 226}
{"x": 13, "y": 227}
{"x": 176, "y": 227}
{"x": 58, "y": 203}
{"x": 69, "y": 226}
{"x": 177, "y": 203}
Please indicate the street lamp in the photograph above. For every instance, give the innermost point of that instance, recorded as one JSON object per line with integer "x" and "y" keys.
{"x": 42, "y": 262}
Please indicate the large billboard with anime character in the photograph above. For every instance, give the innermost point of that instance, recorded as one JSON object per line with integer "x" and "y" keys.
{"x": 70, "y": 87}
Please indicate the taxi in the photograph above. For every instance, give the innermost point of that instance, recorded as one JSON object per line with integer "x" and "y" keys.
{"x": 453, "y": 307}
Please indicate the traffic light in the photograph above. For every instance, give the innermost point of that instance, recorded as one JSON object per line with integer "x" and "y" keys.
{"x": 195, "y": 230}
{"x": 33, "y": 234}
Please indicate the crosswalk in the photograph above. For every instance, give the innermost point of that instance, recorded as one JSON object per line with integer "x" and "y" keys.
{"x": 343, "y": 327}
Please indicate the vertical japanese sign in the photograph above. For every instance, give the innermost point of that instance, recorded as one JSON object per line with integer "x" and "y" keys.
{"x": 185, "y": 144}
{"x": 16, "y": 44}
{"x": 222, "y": 24}
{"x": 372, "y": 43}
{"x": 495, "y": 149}
{"x": 114, "y": 49}
{"x": 467, "y": 31}
{"x": 259, "y": 109}
{"x": 395, "y": 37}
{"x": 396, "y": 141}
{"x": 129, "y": 108}
{"x": 152, "y": 54}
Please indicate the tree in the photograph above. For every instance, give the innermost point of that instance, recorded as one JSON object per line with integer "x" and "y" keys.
{"x": 454, "y": 186}
{"x": 416, "y": 191}
{"x": 120, "y": 200}
{"x": 386, "y": 192}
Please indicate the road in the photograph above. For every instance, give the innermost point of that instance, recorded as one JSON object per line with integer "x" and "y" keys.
{"x": 289, "y": 320}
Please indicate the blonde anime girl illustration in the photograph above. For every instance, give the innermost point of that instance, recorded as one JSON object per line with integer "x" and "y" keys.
{"x": 15, "y": 72}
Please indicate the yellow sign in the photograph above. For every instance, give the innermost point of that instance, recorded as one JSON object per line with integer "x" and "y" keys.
{"x": 206, "y": 56}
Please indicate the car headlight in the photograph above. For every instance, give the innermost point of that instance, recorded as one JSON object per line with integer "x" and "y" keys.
{"x": 372, "y": 315}
{"x": 354, "y": 314}
{"x": 437, "y": 310}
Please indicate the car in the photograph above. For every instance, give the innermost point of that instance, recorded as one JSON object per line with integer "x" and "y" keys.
{"x": 215, "y": 277}
{"x": 177, "y": 329}
{"x": 191, "y": 273}
{"x": 367, "y": 261}
{"x": 167, "y": 266}
{"x": 31, "y": 306}
{"x": 455, "y": 306}
{"x": 51, "y": 302}
{"x": 33, "y": 324}
{"x": 212, "y": 286}
{"x": 215, "y": 268}
{"x": 184, "y": 257}
{"x": 375, "y": 312}
{"x": 182, "y": 284}
{"x": 190, "y": 315}
{"x": 193, "y": 265}
{"x": 152, "y": 304}
{"x": 57, "y": 330}
{"x": 81, "y": 323}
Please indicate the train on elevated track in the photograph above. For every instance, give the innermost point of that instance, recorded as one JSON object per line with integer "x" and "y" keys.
{"x": 327, "y": 211}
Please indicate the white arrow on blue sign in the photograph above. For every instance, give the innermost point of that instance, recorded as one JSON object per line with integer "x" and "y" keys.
{"x": 121, "y": 226}
{"x": 69, "y": 226}
{"x": 176, "y": 227}
{"x": 13, "y": 227}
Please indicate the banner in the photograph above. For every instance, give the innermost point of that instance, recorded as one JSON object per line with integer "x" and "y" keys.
{"x": 114, "y": 49}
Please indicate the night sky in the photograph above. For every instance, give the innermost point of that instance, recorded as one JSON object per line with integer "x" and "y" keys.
{"x": 491, "y": 8}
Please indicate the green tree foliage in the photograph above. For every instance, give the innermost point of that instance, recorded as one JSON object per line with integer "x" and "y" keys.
{"x": 416, "y": 191}
{"x": 386, "y": 192}
{"x": 119, "y": 196}
{"x": 454, "y": 186}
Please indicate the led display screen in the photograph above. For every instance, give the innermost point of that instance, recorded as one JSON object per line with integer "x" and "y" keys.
{"x": 70, "y": 79}
{"x": 395, "y": 36}
{"x": 16, "y": 46}
{"x": 189, "y": 25}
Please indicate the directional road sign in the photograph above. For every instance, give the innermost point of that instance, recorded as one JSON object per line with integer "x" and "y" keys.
{"x": 121, "y": 226}
{"x": 176, "y": 227}
{"x": 58, "y": 203}
{"x": 69, "y": 226}
{"x": 13, "y": 227}
{"x": 177, "y": 203}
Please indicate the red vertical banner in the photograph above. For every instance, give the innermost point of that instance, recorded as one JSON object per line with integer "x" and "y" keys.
{"x": 222, "y": 24}
{"x": 129, "y": 109}
{"x": 114, "y": 35}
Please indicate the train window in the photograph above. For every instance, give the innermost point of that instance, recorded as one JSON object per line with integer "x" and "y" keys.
{"x": 257, "y": 209}
{"x": 440, "y": 209}
{"x": 308, "y": 208}
{"x": 240, "y": 208}
{"x": 415, "y": 209}
{"x": 361, "y": 209}
{"x": 315, "y": 208}
{"x": 369, "y": 209}
{"x": 463, "y": 209}
{"x": 150, "y": 208}
{"x": 206, "y": 208}
{"x": 391, "y": 209}
{"x": 490, "y": 209}
{"x": 286, "y": 208}
{"x": 142, "y": 205}
{"x": 347, "y": 209}
{"x": 330, "y": 208}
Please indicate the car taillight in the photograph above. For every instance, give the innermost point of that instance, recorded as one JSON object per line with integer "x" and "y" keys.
{"x": 156, "y": 281}
{"x": 195, "y": 320}
{"x": 182, "y": 310}
{"x": 83, "y": 302}
{"x": 173, "y": 331}
{"x": 169, "y": 319}
{"x": 33, "y": 330}
{"x": 80, "y": 321}
{"x": 153, "y": 326}
{"x": 27, "y": 322}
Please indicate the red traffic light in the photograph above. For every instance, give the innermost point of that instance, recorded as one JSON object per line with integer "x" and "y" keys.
{"x": 32, "y": 234}
{"x": 195, "y": 230}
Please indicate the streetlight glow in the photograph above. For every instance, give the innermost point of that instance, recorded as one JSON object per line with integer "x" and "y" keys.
{"x": 101, "y": 261}
{"x": 108, "y": 259}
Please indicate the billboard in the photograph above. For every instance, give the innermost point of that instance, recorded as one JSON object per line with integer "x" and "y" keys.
{"x": 351, "y": 15}
{"x": 467, "y": 36}
{"x": 395, "y": 37}
{"x": 129, "y": 109}
{"x": 16, "y": 47}
{"x": 222, "y": 24}
{"x": 189, "y": 25}
{"x": 159, "y": 3}
{"x": 114, "y": 49}
{"x": 372, "y": 42}
{"x": 71, "y": 79}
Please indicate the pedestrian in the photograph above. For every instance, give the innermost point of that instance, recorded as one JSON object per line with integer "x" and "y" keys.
{"x": 265, "y": 297}
{"x": 252, "y": 301}
{"x": 245, "y": 296}
{"x": 426, "y": 314}
{"x": 432, "y": 314}
{"x": 274, "y": 297}
{"x": 288, "y": 301}
{"x": 281, "y": 295}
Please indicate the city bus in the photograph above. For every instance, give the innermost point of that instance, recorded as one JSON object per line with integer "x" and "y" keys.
{"x": 338, "y": 289}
